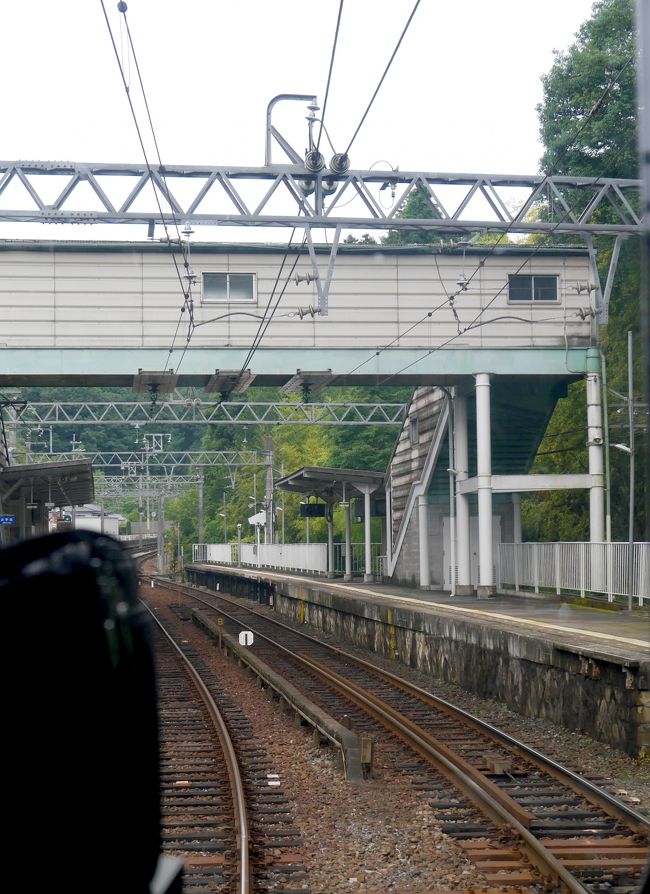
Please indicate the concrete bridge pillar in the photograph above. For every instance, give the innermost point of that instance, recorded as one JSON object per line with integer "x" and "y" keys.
{"x": 595, "y": 444}
{"x": 464, "y": 582}
{"x": 484, "y": 479}
{"x": 348, "y": 541}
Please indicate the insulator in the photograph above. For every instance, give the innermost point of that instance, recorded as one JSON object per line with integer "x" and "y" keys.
{"x": 340, "y": 163}
{"x": 314, "y": 161}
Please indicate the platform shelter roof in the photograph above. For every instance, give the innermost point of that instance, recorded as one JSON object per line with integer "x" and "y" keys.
{"x": 329, "y": 484}
{"x": 61, "y": 483}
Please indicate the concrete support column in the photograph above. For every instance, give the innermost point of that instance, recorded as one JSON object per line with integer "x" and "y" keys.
{"x": 161, "y": 534}
{"x": 389, "y": 528}
{"x": 484, "y": 481}
{"x": 330, "y": 540}
{"x": 348, "y": 541}
{"x": 595, "y": 441}
{"x": 367, "y": 527}
{"x": 201, "y": 510}
{"x": 423, "y": 530}
{"x": 464, "y": 581}
{"x": 516, "y": 518}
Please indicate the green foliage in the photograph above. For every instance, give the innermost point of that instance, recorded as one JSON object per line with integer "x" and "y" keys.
{"x": 588, "y": 115}
{"x": 588, "y": 125}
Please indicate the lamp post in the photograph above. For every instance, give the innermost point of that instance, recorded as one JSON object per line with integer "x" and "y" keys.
{"x": 630, "y": 452}
{"x": 630, "y": 531}
{"x": 224, "y": 516}
{"x": 239, "y": 543}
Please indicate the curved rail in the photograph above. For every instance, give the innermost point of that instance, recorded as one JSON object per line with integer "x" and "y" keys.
{"x": 580, "y": 785}
{"x": 490, "y": 799}
{"x": 232, "y": 766}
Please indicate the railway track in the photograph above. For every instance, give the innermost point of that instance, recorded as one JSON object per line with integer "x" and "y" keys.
{"x": 522, "y": 819}
{"x": 223, "y": 811}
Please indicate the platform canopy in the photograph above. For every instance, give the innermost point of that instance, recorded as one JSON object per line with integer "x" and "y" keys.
{"x": 62, "y": 483}
{"x": 330, "y": 484}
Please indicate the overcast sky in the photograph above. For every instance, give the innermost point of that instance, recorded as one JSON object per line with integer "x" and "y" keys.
{"x": 460, "y": 96}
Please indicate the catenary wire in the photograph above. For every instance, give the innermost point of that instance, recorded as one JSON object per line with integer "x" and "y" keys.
{"x": 595, "y": 107}
{"x": 187, "y": 291}
{"x": 381, "y": 80}
{"x": 266, "y": 325}
{"x": 252, "y": 348}
{"x": 187, "y": 304}
{"x": 538, "y": 247}
{"x": 329, "y": 76}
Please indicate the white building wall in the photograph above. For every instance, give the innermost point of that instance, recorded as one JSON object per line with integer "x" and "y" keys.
{"x": 65, "y": 298}
{"x": 94, "y": 523}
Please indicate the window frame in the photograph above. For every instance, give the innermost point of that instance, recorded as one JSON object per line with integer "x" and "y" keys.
{"x": 228, "y": 300}
{"x": 518, "y": 302}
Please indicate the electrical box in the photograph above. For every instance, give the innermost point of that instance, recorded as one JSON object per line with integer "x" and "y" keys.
{"x": 312, "y": 510}
{"x": 377, "y": 507}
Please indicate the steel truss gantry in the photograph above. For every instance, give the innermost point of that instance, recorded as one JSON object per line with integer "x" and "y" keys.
{"x": 184, "y": 412}
{"x": 315, "y": 199}
{"x": 130, "y": 461}
{"x": 122, "y": 485}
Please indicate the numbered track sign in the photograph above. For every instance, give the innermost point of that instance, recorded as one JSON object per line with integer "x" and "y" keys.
{"x": 246, "y": 638}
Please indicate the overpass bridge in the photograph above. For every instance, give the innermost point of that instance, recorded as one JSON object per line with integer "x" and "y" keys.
{"x": 466, "y": 318}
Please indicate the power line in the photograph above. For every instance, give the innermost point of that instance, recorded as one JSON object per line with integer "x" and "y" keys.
{"x": 595, "y": 107}
{"x": 252, "y": 348}
{"x": 260, "y": 334}
{"x": 187, "y": 298}
{"x": 329, "y": 77}
{"x": 381, "y": 81}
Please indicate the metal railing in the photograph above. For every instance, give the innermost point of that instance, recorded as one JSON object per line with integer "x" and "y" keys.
{"x": 358, "y": 557}
{"x": 607, "y": 570}
{"x": 308, "y": 557}
{"x": 220, "y": 553}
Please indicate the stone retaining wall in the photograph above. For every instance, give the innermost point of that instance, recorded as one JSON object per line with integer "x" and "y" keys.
{"x": 601, "y": 695}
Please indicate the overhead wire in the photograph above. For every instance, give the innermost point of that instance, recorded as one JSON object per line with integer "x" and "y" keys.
{"x": 381, "y": 80}
{"x": 251, "y": 350}
{"x": 538, "y": 246}
{"x": 264, "y": 325}
{"x": 329, "y": 77}
{"x": 187, "y": 295}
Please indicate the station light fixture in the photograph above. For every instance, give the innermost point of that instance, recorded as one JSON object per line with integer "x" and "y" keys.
{"x": 155, "y": 382}
{"x": 230, "y": 381}
{"x": 308, "y": 382}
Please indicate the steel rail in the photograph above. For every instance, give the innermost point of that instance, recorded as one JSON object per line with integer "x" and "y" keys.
{"x": 581, "y": 786}
{"x": 232, "y": 766}
{"x": 482, "y": 792}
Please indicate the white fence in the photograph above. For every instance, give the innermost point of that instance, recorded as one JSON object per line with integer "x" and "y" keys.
{"x": 601, "y": 569}
{"x": 309, "y": 557}
{"x": 290, "y": 556}
{"x": 220, "y": 553}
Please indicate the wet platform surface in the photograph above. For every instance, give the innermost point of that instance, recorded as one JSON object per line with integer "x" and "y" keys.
{"x": 606, "y": 631}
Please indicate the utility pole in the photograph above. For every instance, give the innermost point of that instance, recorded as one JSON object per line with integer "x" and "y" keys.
{"x": 225, "y": 519}
{"x": 643, "y": 23}
{"x": 268, "y": 533}
{"x": 161, "y": 533}
{"x": 630, "y": 410}
{"x": 201, "y": 509}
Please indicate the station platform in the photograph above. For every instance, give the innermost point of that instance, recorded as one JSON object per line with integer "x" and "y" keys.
{"x": 582, "y": 667}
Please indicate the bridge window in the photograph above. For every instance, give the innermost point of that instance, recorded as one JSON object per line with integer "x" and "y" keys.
{"x": 532, "y": 288}
{"x": 233, "y": 288}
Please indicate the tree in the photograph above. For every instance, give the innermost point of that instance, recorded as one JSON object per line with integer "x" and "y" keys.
{"x": 588, "y": 114}
{"x": 588, "y": 125}
{"x": 418, "y": 204}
